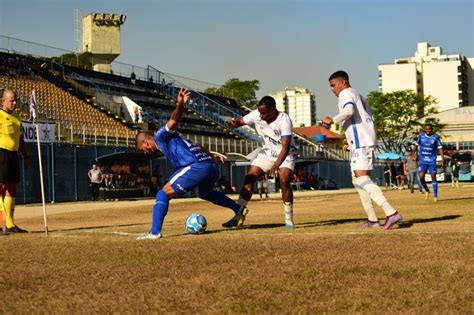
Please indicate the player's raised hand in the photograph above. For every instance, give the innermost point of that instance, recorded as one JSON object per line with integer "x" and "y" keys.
{"x": 233, "y": 123}
{"x": 183, "y": 96}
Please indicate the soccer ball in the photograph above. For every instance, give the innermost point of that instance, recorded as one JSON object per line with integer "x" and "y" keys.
{"x": 196, "y": 224}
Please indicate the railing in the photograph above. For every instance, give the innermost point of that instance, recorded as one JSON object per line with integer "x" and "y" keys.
{"x": 204, "y": 105}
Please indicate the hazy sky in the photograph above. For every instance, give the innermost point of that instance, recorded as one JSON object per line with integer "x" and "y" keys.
{"x": 279, "y": 43}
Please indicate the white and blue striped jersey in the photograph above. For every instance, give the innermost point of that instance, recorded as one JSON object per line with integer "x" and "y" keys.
{"x": 272, "y": 133}
{"x": 428, "y": 148}
{"x": 356, "y": 119}
{"x": 181, "y": 152}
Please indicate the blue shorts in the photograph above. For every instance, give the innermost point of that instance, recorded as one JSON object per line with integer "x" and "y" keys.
{"x": 201, "y": 175}
{"x": 431, "y": 168}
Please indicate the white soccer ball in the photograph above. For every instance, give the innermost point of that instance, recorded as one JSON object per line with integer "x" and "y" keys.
{"x": 196, "y": 224}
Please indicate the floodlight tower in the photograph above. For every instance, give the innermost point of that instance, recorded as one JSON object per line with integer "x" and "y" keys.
{"x": 101, "y": 39}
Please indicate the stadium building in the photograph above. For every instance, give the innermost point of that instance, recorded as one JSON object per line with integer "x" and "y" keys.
{"x": 447, "y": 78}
{"x": 299, "y": 104}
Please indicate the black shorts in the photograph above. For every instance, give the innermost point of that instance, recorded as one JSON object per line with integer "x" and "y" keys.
{"x": 9, "y": 167}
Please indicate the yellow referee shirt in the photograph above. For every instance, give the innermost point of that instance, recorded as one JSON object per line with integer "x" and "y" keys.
{"x": 10, "y": 130}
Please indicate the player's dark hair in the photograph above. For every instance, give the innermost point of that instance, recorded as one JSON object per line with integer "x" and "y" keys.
{"x": 339, "y": 75}
{"x": 141, "y": 136}
{"x": 429, "y": 124}
{"x": 268, "y": 102}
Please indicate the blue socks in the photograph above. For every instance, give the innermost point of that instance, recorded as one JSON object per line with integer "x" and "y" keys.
{"x": 423, "y": 184}
{"x": 435, "y": 187}
{"x": 160, "y": 209}
{"x": 218, "y": 198}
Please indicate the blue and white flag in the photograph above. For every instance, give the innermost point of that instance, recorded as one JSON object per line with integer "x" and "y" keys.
{"x": 33, "y": 106}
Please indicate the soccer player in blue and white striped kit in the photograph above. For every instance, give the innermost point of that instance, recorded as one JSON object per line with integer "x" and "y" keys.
{"x": 196, "y": 168}
{"x": 429, "y": 146}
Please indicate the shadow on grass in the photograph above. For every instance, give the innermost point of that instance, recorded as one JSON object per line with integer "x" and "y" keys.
{"x": 409, "y": 223}
{"x": 90, "y": 227}
{"x": 331, "y": 222}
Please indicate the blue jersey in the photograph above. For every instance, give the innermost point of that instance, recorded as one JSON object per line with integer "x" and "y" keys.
{"x": 428, "y": 148}
{"x": 181, "y": 152}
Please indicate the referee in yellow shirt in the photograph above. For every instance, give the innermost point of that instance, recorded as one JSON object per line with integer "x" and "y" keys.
{"x": 11, "y": 141}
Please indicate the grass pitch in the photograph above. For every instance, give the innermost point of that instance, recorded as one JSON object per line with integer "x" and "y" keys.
{"x": 91, "y": 261}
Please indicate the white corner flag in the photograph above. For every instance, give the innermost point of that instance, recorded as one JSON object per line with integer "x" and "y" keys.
{"x": 33, "y": 106}
{"x": 33, "y": 111}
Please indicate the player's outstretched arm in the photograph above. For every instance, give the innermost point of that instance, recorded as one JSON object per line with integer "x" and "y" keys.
{"x": 183, "y": 96}
{"x": 234, "y": 123}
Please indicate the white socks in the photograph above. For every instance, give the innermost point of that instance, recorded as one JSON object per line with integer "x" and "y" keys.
{"x": 366, "y": 201}
{"x": 375, "y": 193}
{"x": 288, "y": 206}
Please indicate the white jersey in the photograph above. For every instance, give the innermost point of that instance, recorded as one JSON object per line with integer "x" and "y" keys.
{"x": 356, "y": 119}
{"x": 272, "y": 133}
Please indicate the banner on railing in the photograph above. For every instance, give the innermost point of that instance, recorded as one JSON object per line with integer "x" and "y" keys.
{"x": 46, "y": 131}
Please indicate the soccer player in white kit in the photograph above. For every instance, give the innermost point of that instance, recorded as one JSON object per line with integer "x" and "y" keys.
{"x": 276, "y": 156}
{"x": 356, "y": 119}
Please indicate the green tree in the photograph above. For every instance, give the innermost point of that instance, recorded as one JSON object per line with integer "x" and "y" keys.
{"x": 243, "y": 92}
{"x": 399, "y": 117}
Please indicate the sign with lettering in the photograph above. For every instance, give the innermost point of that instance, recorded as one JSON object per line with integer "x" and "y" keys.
{"x": 47, "y": 132}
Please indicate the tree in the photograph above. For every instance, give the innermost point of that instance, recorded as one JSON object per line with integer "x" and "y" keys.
{"x": 243, "y": 92}
{"x": 399, "y": 117}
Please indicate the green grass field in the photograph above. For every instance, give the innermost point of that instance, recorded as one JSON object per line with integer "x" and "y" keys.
{"x": 91, "y": 261}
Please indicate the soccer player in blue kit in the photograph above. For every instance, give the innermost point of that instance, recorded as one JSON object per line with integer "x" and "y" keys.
{"x": 429, "y": 146}
{"x": 196, "y": 168}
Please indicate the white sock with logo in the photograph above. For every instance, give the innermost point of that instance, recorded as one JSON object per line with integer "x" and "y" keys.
{"x": 375, "y": 194}
{"x": 366, "y": 201}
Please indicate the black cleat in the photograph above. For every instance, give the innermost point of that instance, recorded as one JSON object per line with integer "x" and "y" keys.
{"x": 15, "y": 229}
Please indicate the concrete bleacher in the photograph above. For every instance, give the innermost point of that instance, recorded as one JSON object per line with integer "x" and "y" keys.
{"x": 58, "y": 105}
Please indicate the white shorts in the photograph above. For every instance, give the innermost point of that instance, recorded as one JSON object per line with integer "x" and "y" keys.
{"x": 266, "y": 162}
{"x": 362, "y": 159}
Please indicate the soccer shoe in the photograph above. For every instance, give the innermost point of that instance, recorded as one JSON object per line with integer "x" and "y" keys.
{"x": 392, "y": 220}
{"x": 435, "y": 199}
{"x": 370, "y": 224}
{"x": 427, "y": 195}
{"x": 238, "y": 219}
{"x": 150, "y": 236}
{"x": 15, "y": 229}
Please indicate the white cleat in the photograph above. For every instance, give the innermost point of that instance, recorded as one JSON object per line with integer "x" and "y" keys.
{"x": 150, "y": 236}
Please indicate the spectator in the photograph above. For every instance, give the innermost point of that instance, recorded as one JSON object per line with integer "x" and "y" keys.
{"x": 133, "y": 78}
{"x": 401, "y": 176}
{"x": 96, "y": 178}
{"x": 386, "y": 175}
{"x": 393, "y": 175}
{"x": 136, "y": 112}
{"x": 262, "y": 185}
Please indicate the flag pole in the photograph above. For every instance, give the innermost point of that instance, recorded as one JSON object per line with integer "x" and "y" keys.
{"x": 35, "y": 124}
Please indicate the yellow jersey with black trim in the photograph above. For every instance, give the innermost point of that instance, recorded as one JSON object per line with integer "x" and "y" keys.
{"x": 10, "y": 131}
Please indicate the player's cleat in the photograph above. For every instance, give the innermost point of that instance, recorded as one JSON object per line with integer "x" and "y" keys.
{"x": 238, "y": 219}
{"x": 435, "y": 199}
{"x": 392, "y": 220}
{"x": 427, "y": 195}
{"x": 15, "y": 229}
{"x": 150, "y": 236}
{"x": 370, "y": 224}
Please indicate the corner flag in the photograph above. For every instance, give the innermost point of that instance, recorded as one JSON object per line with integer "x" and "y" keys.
{"x": 33, "y": 106}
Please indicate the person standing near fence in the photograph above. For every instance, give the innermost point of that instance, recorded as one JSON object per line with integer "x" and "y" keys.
{"x": 96, "y": 178}
{"x": 411, "y": 168}
{"x": 11, "y": 142}
{"x": 356, "y": 119}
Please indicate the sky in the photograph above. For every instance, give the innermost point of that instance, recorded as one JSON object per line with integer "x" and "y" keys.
{"x": 280, "y": 42}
